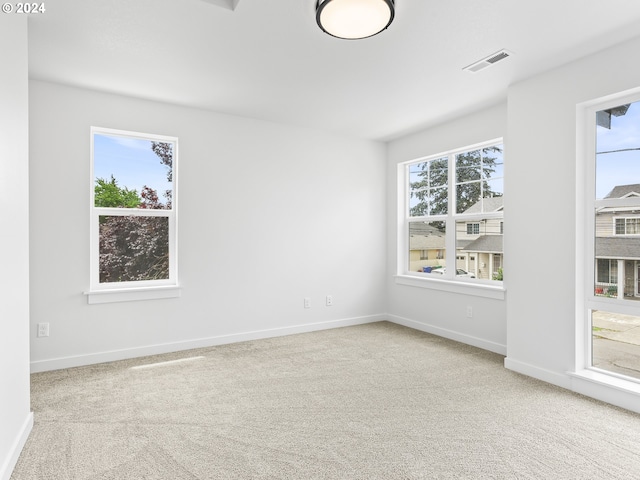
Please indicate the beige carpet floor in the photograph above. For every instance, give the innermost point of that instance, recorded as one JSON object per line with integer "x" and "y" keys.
{"x": 375, "y": 401}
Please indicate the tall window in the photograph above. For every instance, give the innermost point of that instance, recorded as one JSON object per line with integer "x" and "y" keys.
{"x": 453, "y": 203}
{"x": 133, "y": 210}
{"x": 613, "y": 237}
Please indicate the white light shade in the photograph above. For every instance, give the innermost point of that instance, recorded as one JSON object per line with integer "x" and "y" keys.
{"x": 352, "y": 19}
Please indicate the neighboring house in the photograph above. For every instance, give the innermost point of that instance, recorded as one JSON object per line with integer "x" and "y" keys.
{"x": 617, "y": 246}
{"x": 479, "y": 242}
{"x": 426, "y": 246}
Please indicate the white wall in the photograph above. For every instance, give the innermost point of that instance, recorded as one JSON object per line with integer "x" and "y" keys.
{"x": 541, "y": 213}
{"x": 15, "y": 419}
{"x": 268, "y": 215}
{"x": 433, "y": 311}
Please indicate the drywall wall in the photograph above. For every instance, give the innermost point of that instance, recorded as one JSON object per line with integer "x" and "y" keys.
{"x": 268, "y": 215}
{"x": 15, "y": 418}
{"x": 541, "y": 240}
{"x": 439, "y": 312}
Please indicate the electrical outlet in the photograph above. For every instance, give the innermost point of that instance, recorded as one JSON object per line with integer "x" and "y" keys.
{"x": 329, "y": 300}
{"x": 43, "y": 330}
{"x": 469, "y": 312}
{"x": 307, "y": 302}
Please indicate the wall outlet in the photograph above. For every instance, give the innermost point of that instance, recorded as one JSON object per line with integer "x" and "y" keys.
{"x": 469, "y": 312}
{"x": 307, "y": 302}
{"x": 43, "y": 330}
{"x": 329, "y": 300}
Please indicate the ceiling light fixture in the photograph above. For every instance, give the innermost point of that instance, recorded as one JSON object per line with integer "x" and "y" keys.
{"x": 354, "y": 19}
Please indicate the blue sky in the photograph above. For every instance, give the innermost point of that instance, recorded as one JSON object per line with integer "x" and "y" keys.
{"x": 132, "y": 163}
{"x": 622, "y": 168}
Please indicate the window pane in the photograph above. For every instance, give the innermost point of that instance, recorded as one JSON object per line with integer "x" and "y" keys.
{"x": 617, "y": 244}
{"x": 428, "y": 187}
{"x": 493, "y": 162}
{"x": 427, "y": 246}
{"x": 479, "y": 252}
{"x": 468, "y": 197}
{"x": 479, "y": 174}
{"x": 468, "y": 166}
{"x": 133, "y": 248}
{"x": 618, "y": 151}
{"x": 493, "y": 188}
{"x": 132, "y": 172}
{"x": 611, "y": 349}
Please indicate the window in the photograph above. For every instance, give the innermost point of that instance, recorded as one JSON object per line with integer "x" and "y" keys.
{"x": 452, "y": 208}
{"x": 133, "y": 212}
{"x": 612, "y": 242}
{"x": 473, "y": 229}
{"x": 606, "y": 271}
{"x": 627, "y": 226}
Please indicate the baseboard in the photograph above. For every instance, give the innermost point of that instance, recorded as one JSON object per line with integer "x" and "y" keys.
{"x": 9, "y": 464}
{"x": 549, "y": 376}
{"x": 110, "y": 356}
{"x": 450, "y": 334}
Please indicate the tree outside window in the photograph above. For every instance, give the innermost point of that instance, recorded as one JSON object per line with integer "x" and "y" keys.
{"x": 133, "y": 209}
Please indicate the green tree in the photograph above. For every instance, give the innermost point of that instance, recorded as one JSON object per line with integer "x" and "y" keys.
{"x": 473, "y": 170}
{"x": 109, "y": 194}
{"x": 164, "y": 151}
{"x": 134, "y": 248}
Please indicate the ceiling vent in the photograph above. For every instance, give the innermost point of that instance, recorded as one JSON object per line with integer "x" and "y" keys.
{"x": 488, "y": 61}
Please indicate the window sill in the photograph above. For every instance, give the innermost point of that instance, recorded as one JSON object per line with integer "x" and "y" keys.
{"x": 132, "y": 294}
{"x": 606, "y": 380}
{"x": 452, "y": 286}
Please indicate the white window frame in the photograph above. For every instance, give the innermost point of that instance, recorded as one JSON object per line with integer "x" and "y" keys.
{"x": 636, "y": 220}
{"x": 447, "y": 281}
{"x": 589, "y": 379}
{"x": 475, "y": 228}
{"x": 134, "y": 290}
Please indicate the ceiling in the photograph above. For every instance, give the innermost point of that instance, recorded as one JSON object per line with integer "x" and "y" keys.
{"x": 267, "y": 59}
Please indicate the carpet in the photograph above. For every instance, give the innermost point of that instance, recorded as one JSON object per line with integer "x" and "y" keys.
{"x": 376, "y": 401}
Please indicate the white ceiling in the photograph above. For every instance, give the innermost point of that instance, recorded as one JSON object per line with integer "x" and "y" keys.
{"x": 267, "y": 59}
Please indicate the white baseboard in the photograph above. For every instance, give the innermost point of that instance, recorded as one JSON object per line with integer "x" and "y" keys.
{"x": 110, "y": 356}
{"x": 549, "y": 376}
{"x": 6, "y": 469}
{"x": 450, "y": 334}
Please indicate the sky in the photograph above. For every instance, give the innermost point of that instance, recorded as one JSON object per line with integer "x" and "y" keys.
{"x": 622, "y": 168}
{"x": 132, "y": 163}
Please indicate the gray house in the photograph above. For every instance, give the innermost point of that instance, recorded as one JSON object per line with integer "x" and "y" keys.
{"x": 479, "y": 247}
{"x": 617, "y": 246}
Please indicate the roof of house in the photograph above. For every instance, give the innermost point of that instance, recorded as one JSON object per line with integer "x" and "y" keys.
{"x": 489, "y": 204}
{"x": 621, "y": 191}
{"x": 618, "y": 247}
{"x": 424, "y": 236}
{"x": 424, "y": 228}
{"x": 426, "y": 242}
{"x": 485, "y": 243}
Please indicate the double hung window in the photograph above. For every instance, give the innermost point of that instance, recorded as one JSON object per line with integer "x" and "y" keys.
{"x": 452, "y": 203}
{"x": 133, "y": 212}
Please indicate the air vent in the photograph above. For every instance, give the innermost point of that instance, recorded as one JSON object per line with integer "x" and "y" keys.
{"x": 488, "y": 61}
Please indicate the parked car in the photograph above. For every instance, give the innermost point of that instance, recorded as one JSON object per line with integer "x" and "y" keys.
{"x": 462, "y": 273}
{"x": 459, "y": 272}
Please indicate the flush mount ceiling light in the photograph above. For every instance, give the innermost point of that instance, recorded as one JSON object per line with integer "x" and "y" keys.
{"x": 353, "y": 19}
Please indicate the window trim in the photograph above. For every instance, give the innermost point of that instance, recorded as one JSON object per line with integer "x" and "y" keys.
{"x": 586, "y": 299}
{"x": 449, "y": 281}
{"x": 635, "y": 219}
{"x": 475, "y": 228}
{"x": 132, "y": 290}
